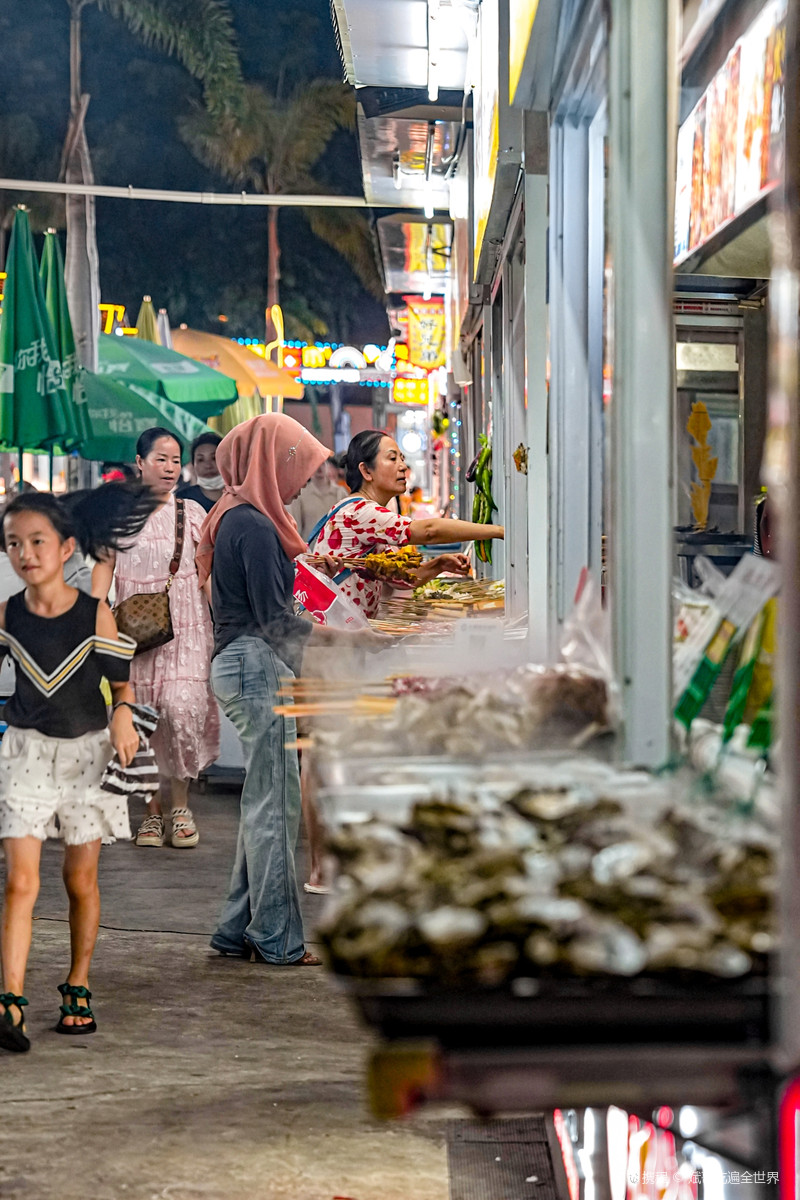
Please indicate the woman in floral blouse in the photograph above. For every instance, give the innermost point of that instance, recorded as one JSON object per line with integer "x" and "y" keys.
{"x": 376, "y": 473}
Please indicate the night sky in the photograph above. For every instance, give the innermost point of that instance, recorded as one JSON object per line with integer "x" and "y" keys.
{"x": 198, "y": 262}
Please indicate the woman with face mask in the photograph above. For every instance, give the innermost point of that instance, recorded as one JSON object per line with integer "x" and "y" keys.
{"x": 210, "y": 483}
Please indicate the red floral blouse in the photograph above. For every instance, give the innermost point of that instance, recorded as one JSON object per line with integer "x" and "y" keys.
{"x": 354, "y": 532}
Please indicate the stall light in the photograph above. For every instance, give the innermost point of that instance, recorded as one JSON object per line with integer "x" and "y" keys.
{"x": 426, "y": 292}
{"x": 434, "y": 50}
{"x": 411, "y": 442}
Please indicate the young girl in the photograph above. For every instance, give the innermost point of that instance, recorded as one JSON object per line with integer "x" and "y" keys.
{"x": 59, "y": 741}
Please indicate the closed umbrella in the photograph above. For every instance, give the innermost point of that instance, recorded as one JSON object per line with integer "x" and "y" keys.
{"x": 164, "y": 331}
{"x": 35, "y": 410}
{"x": 192, "y": 385}
{"x": 51, "y": 273}
{"x": 244, "y": 408}
{"x": 146, "y": 323}
{"x": 119, "y": 414}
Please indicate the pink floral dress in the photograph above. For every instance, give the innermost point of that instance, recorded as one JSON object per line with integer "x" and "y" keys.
{"x": 174, "y": 678}
{"x": 354, "y": 532}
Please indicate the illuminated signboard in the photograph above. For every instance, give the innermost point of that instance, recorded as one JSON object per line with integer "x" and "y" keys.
{"x": 426, "y": 332}
{"x": 731, "y": 146}
{"x": 410, "y": 391}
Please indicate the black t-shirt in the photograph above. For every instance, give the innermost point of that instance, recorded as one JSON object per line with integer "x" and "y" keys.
{"x": 59, "y": 663}
{"x": 193, "y": 491}
{"x": 252, "y": 583}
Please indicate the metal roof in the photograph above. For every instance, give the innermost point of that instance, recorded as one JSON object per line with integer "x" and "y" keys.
{"x": 407, "y": 145}
{"x": 385, "y": 43}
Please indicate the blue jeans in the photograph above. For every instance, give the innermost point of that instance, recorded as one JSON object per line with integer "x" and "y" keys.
{"x": 263, "y": 905}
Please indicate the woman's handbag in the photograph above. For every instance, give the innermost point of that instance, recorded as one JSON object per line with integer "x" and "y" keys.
{"x": 146, "y": 617}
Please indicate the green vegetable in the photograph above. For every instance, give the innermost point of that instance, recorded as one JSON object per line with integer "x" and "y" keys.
{"x": 483, "y": 506}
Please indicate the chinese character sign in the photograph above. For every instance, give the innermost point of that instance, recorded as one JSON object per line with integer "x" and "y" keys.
{"x": 426, "y": 332}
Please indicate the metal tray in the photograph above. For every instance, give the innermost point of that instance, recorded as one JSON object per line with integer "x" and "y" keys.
{"x": 570, "y": 1012}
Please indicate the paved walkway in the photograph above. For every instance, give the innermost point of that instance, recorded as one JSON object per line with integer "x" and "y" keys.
{"x": 209, "y": 1078}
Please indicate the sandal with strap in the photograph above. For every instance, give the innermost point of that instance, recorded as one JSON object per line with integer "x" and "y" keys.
{"x": 75, "y": 992}
{"x": 13, "y": 1037}
{"x": 151, "y": 832}
{"x": 182, "y": 819}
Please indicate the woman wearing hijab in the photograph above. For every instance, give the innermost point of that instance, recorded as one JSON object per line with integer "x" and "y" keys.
{"x": 247, "y": 547}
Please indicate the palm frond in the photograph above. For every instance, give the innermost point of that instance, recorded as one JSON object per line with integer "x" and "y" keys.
{"x": 199, "y": 33}
{"x": 237, "y": 146}
{"x": 311, "y": 117}
{"x": 348, "y": 232}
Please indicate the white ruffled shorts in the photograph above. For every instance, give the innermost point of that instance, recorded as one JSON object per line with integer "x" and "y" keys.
{"x": 50, "y": 787}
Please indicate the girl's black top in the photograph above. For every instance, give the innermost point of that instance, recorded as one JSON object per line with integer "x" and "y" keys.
{"x": 59, "y": 664}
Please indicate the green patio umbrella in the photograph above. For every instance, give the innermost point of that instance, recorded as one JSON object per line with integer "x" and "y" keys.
{"x": 35, "y": 410}
{"x": 147, "y": 323}
{"x": 51, "y": 273}
{"x": 119, "y": 414}
{"x": 199, "y": 389}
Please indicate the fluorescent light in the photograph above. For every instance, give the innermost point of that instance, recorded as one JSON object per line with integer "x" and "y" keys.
{"x": 428, "y": 208}
{"x": 434, "y": 50}
{"x": 426, "y": 292}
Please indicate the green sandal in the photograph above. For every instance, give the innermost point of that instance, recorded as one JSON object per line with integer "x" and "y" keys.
{"x": 13, "y": 1037}
{"x": 75, "y": 1010}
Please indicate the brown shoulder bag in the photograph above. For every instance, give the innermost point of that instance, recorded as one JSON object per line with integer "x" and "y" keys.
{"x": 146, "y": 617}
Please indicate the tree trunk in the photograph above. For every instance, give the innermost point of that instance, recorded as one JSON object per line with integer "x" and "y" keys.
{"x": 81, "y": 266}
{"x": 273, "y": 268}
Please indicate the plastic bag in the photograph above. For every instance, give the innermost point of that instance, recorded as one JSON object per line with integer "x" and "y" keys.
{"x": 325, "y": 601}
{"x": 586, "y": 639}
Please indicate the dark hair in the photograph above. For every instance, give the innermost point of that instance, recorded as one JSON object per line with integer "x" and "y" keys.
{"x": 339, "y": 460}
{"x": 362, "y": 449}
{"x": 124, "y": 469}
{"x": 204, "y": 439}
{"x": 101, "y": 520}
{"x": 149, "y": 438}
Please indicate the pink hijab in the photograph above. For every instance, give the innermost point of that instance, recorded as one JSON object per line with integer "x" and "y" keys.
{"x": 265, "y": 462}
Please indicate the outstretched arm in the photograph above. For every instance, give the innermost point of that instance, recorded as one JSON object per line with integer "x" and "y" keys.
{"x": 435, "y": 531}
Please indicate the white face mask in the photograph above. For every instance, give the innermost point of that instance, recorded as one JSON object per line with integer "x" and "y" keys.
{"x": 212, "y": 483}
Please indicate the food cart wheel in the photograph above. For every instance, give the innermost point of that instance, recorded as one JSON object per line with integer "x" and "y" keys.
{"x": 401, "y": 1076}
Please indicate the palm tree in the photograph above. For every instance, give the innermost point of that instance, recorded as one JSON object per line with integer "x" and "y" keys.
{"x": 274, "y": 144}
{"x": 199, "y": 33}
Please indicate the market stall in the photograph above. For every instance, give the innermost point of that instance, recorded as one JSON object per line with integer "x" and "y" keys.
{"x": 510, "y": 846}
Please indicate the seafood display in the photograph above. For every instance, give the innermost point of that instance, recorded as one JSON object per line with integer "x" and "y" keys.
{"x": 527, "y": 708}
{"x": 482, "y": 888}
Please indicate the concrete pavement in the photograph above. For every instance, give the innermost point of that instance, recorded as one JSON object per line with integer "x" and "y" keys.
{"x": 209, "y": 1078}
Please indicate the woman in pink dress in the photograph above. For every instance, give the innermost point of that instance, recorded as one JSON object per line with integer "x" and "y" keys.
{"x": 174, "y": 677}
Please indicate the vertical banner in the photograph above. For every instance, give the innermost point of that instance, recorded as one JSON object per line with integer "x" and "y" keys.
{"x": 426, "y": 332}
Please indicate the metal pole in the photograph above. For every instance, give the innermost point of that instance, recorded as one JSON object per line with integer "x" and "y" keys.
{"x": 20, "y": 453}
{"x": 642, "y": 93}
{"x": 782, "y": 475}
{"x": 541, "y": 633}
{"x": 177, "y": 197}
